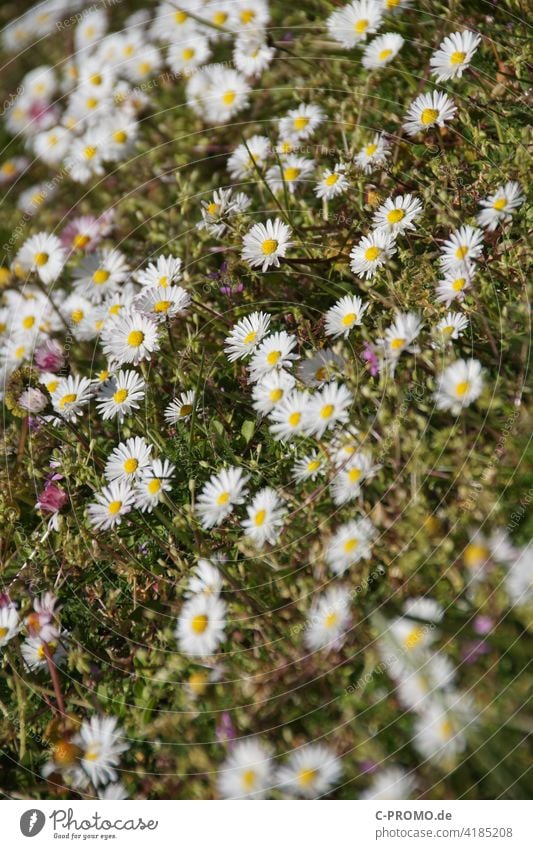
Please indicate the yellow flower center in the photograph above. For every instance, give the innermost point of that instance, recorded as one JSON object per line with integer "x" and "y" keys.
{"x": 247, "y": 16}
{"x": 154, "y": 486}
{"x": 8, "y": 168}
{"x": 114, "y": 309}
{"x": 276, "y": 395}
{"x": 458, "y": 57}
{"x": 114, "y": 507}
{"x": 429, "y": 116}
{"x": 370, "y": 149}
{"x": 313, "y": 465}
{"x": 212, "y": 208}
{"x": 223, "y": 498}
{"x": 188, "y": 54}
{"x": 76, "y": 316}
{"x": 269, "y": 246}
{"x": 327, "y": 411}
{"x": 65, "y": 753}
{"x": 250, "y": 337}
{"x": 331, "y": 179}
{"x": 330, "y": 620}
{"x": 499, "y": 204}
{"x": 69, "y": 398}
{"x": 101, "y": 275}
{"x": 52, "y": 386}
{"x": 273, "y": 357}
{"x": 294, "y": 419}
{"x": 395, "y": 215}
{"x": 199, "y": 623}
{"x": 462, "y": 388}
{"x": 371, "y": 254}
{"x": 96, "y": 79}
{"x": 354, "y": 475}
{"x": 197, "y": 682}
{"x": 361, "y": 26}
{"x": 20, "y": 351}
{"x": 120, "y": 396}
{"x": 144, "y": 68}
{"x": 228, "y": 97}
{"x": 103, "y": 375}
{"x": 220, "y": 18}
{"x": 120, "y": 136}
{"x": 414, "y": 637}
{"x": 300, "y": 123}
{"x": 163, "y": 281}
{"x": 350, "y": 545}
{"x": 52, "y": 140}
{"x": 384, "y": 54}
{"x": 458, "y": 284}
{"x": 476, "y": 554}
{"x": 162, "y": 306}
{"x": 135, "y": 338}
{"x": 41, "y": 258}
{"x": 306, "y": 777}
{"x": 89, "y": 152}
{"x": 92, "y": 754}
{"x": 249, "y": 779}
{"x": 397, "y": 343}
{"x": 28, "y": 322}
{"x": 348, "y": 319}
{"x": 3, "y": 632}
{"x": 461, "y": 251}
{"x": 131, "y": 465}
{"x": 180, "y": 17}
{"x": 260, "y": 517}
{"x": 446, "y": 729}
{"x": 81, "y": 241}
{"x": 291, "y": 174}
{"x": 185, "y": 410}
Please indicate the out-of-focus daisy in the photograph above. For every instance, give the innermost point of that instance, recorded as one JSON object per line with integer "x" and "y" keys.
{"x": 432, "y": 674}
{"x": 348, "y": 481}
{"x": 451, "y": 326}
{"x": 459, "y": 385}
{"x": 206, "y": 578}
{"x": 35, "y": 649}
{"x": 200, "y": 626}
{"x": 461, "y": 248}
{"x": 265, "y": 244}
{"x": 71, "y": 395}
{"x": 354, "y": 22}
{"x": 328, "y": 620}
{"x": 433, "y": 109}
{"x": 320, "y": 368}
{"x": 114, "y": 791}
{"x": 130, "y": 338}
{"x": 392, "y": 783}
{"x": 181, "y": 408}
{"x": 349, "y": 544}
{"x": 398, "y": 214}
{"x": 519, "y": 578}
{"x": 189, "y": 53}
{"x": 101, "y": 742}
{"x": 344, "y": 444}
{"x": 372, "y": 252}
{"x": 251, "y": 53}
{"x": 100, "y": 273}
{"x": 332, "y": 183}
{"x": 219, "y": 496}
{"x": 166, "y": 271}
{"x": 327, "y": 408}
{"x": 265, "y": 517}
{"x": 217, "y": 93}
{"x": 246, "y": 335}
{"x": 454, "y": 55}
{"x": 399, "y": 337}
{"x": 499, "y": 207}
{"x": 9, "y": 623}
{"x": 247, "y": 157}
{"x": 374, "y": 154}
{"x": 270, "y": 390}
{"x": 410, "y": 633}
{"x": 11, "y": 168}
{"x": 308, "y": 467}
{"x": 382, "y": 50}
{"x": 301, "y": 123}
{"x": 154, "y": 481}
{"x": 441, "y": 730}
{"x": 275, "y": 352}
{"x": 128, "y": 460}
{"x": 110, "y": 505}
{"x": 288, "y": 416}
{"x": 43, "y": 254}
{"x": 247, "y": 773}
{"x": 455, "y": 284}
{"x": 293, "y": 171}
{"x": 344, "y": 315}
{"x": 311, "y": 771}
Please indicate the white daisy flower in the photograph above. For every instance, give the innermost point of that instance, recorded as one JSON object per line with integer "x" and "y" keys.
{"x": 44, "y": 255}
{"x": 217, "y": 93}
{"x": 265, "y": 519}
{"x": 251, "y": 53}
{"x": 348, "y": 481}
{"x": 372, "y": 252}
{"x": 454, "y": 55}
{"x": 354, "y": 22}
{"x": 311, "y": 771}
{"x": 100, "y": 274}
{"x": 200, "y": 626}
{"x": 395, "y": 6}
{"x": 128, "y": 460}
{"x": 374, "y": 154}
{"x": 519, "y": 578}
{"x": 452, "y": 326}
{"x": 110, "y": 505}
{"x": 52, "y": 145}
{"x": 219, "y": 496}
{"x": 382, "y": 50}
{"x": 349, "y": 544}
{"x": 433, "y": 109}
{"x": 461, "y": 248}
{"x": 155, "y": 480}
{"x": 81, "y": 315}
{"x": 499, "y": 207}
{"x": 251, "y": 14}
{"x": 217, "y": 212}
{"x": 162, "y": 302}
{"x": 301, "y": 123}
{"x": 399, "y": 337}
{"x": 34, "y": 651}
{"x": 415, "y": 687}
{"x": 393, "y": 783}
{"x": 344, "y": 315}
{"x": 293, "y": 171}
{"x": 398, "y": 214}
{"x": 247, "y": 773}
{"x": 441, "y": 730}
{"x": 120, "y": 395}
{"x": 206, "y": 578}
{"x": 321, "y": 367}
{"x": 327, "y": 408}
{"x": 114, "y": 791}
{"x": 181, "y": 408}
{"x": 274, "y": 353}
{"x": 288, "y": 416}
{"x": 246, "y": 335}
{"x": 9, "y": 623}
{"x": 189, "y": 53}
{"x": 328, "y": 620}
{"x": 40, "y": 84}
{"x": 85, "y": 159}
{"x": 332, "y": 183}
{"x": 130, "y": 338}
{"x": 455, "y": 284}
{"x": 241, "y": 162}
{"x": 411, "y": 634}
{"x": 91, "y": 29}
{"x": 270, "y": 390}
{"x": 344, "y": 445}
{"x": 459, "y": 385}
{"x": 165, "y": 272}
{"x": 264, "y": 244}
{"x": 101, "y": 742}
{"x": 72, "y": 394}
{"x": 308, "y": 467}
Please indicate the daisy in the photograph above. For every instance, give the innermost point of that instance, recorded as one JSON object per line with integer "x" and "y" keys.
{"x": 100, "y": 273}
{"x": 411, "y": 634}
{"x": 519, "y": 578}
{"x": 344, "y": 315}
{"x": 415, "y": 687}
{"x": 395, "y": 6}
{"x": 321, "y": 367}
{"x": 270, "y": 390}
{"x": 265, "y": 517}
{"x": 163, "y": 302}
{"x": 52, "y": 145}
{"x": 308, "y": 467}
{"x": 224, "y": 93}
{"x": 35, "y": 649}
{"x": 247, "y": 773}
{"x": 440, "y": 732}
{"x": 274, "y": 353}
{"x": 328, "y": 620}
{"x": 11, "y": 168}
{"x": 247, "y": 157}
{"x": 110, "y": 505}
{"x": 455, "y": 285}
{"x": 463, "y": 246}
{"x": 219, "y": 496}
{"x": 293, "y": 171}
{"x": 452, "y": 326}
{"x": 393, "y": 783}
{"x": 373, "y": 155}
{"x": 399, "y": 337}
{"x": 119, "y": 131}
{"x": 382, "y": 50}
{"x": 327, "y": 408}
{"x": 71, "y": 395}
{"x": 251, "y": 53}
{"x": 200, "y": 626}
{"x": 349, "y": 544}
{"x": 288, "y": 416}
{"x": 181, "y": 408}
{"x": 499, "y": 207}
{"x": 454, "y": 55}
{"x": 301, "y": 123}
{"x": 372, "y": 252}
{"x": 429, "y": 110}
{"x": 251, "y": 14}
{"x": 223, "y": 206}
{"x": 86, "y": 154}
{"x": 155, "y": 480}
{"x": 311, "y": 771}
{"x": 121, "y": 395}
{"x": 264, "y": 244}
{"x": 101, "y": 743}
{"x": 398, "y": 214}
{"x": 81, "y": 316}
{"x": 83, "y": 233}
{"x": 332, "y": 183}
{"x": 353, "y": 23}
{"x": 206, "y": 578}
{"x": 347, "y": 483}
{"x": 113, "y": 791}
{"x": 165, "y": 272}
{"x": 459, "y": 385}
{"x": 128, "y": 460}
{"x": 130, "y": 338}
{"x": 9, "y": 623}
{"x": 44, "y": 255}
{"x": 246, "y": 335}
{"x": 189, "y": 53}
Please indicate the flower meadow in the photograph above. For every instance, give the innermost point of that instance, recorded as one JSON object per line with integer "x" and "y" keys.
{"x": 264, "y": 355}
